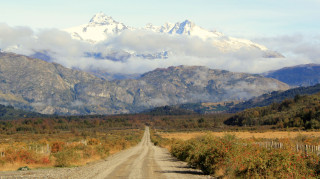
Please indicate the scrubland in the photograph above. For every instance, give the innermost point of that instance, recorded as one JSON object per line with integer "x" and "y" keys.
{"x": 246, "y": 154}
{"x": 242, "y": 135}
{"x": 42, "y": 143}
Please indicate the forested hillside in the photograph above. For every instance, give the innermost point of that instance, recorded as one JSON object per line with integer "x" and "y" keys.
{"x": 302, "y": 111}
{"x": 9, "y": 112}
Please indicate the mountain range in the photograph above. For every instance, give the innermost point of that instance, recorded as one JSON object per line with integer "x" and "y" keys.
{"x": 234, "y": 106}
{"x": 49, "y": 88}
{"x": 301, "y": 75}
{"x": 274, "y": 97}
{"x": 112, "y": 50}
{"x": 102, "y": 27}
{"x": 101, "y": 54}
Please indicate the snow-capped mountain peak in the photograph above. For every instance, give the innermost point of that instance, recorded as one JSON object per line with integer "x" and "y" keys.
{"x": 101, "y": 27}
{"x": 159, "y": 29}
{"x": 98, "y": 29}
{"x": 189, "y": 28}
{"x": 102, "y": 19}
{"x": 152, "y": 27}
{"x": 183, "y": 28}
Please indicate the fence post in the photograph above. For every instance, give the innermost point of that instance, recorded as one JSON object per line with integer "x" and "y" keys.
{"x": 48, "y": 148}
{"x": 306, "y": 148}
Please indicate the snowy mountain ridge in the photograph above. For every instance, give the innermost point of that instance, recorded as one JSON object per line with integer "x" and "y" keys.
{"x": 101, "y": 27}
{"x": 98, "y": 29}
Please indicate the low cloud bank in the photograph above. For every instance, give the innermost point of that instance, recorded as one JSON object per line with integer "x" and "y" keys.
{"x": 62, "y": 49}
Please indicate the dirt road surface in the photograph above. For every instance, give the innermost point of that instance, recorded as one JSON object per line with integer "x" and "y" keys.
{"x": 142, "y": 161}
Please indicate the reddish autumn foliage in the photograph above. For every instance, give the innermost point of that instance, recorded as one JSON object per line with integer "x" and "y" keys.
{"x": 57, "y": 146}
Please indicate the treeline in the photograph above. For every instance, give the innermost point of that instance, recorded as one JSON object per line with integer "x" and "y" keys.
{"x": 189, "y": 122}
{"x": 9, "y": 113}
{"x": 190, "y": 108}
{"x": 44, "y": 125}
{"x": 47, "y": 125}
{"x": 302, "y": 111}
{"x": 168, "y": 110}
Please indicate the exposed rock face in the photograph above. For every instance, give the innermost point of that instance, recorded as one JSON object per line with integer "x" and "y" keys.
{"x": 44, "y": 87}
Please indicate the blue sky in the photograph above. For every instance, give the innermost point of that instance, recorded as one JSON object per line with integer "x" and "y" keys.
{"x": 240, "y": 18}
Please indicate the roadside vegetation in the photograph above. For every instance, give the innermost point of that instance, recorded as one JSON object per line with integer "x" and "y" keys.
{"x": 289, "y": 147}
{"x": 233, "y": 157}
{"x": 61, "y": 142}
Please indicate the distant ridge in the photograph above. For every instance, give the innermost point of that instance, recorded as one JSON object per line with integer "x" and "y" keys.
{"x": 300, "y": 75}
{"x": 234, "y": 106}
{"x": 275, "y": 97}
{"x": 50, "y": 88}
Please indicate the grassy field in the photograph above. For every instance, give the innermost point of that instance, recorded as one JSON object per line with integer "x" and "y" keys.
{"x": 242, "y": 135}
{"x": 63, "y": 149}
{"x": 64, "y": 141}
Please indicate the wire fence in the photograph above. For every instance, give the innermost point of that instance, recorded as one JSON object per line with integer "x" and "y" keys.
{"x": 297, "y": 147}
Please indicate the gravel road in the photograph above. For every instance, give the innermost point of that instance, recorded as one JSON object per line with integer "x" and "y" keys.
{"x": 142, "y": 161}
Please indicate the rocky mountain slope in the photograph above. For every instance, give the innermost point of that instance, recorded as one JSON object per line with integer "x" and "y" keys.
{"x": 37, "y": 85}
{"x": 275, "y": 97}
{"x": 50, "y": 88}
{"x": 301, "y": 75}
{"x": 235, "y": 106}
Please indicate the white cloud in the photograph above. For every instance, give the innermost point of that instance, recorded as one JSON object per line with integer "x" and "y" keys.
{"x": 184, "y": 51}
{"x": 298, "y": 48}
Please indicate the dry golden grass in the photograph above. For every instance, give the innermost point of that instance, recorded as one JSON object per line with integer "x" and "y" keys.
{"x": 86, "y": 161}
{"x": 243, "y": 135}
{"x": 115, "y": 143}
{"x": 115, "y": 150}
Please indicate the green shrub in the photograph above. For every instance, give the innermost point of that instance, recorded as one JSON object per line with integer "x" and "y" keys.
{"x": 66, "y": 157}
{"x": 2, "y": 162}
{"x": 88, "y": 152}
{"x": 180, "y": 149}
{"x": 103, "y": 150}
{"x": 157, "y": 140}
{"x": 235, "y": 158}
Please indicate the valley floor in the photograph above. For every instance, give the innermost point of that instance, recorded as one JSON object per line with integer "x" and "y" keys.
{"x": 142, "y": 161}
{"x": 242, "y": 135}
